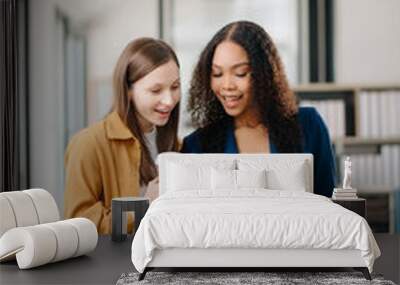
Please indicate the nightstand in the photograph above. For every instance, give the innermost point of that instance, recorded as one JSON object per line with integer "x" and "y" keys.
{"x": 358, "y": 205}
{"x": 119, "y": 207}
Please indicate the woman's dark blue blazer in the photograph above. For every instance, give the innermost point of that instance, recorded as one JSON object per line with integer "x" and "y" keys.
{"x": 315, "y": 140}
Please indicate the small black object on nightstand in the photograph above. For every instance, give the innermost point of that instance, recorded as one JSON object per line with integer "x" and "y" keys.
{"x": 356, "y": 205}
{"x": 119, "y": 206}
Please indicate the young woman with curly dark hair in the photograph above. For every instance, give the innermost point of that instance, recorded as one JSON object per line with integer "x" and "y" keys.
{"x": 241, "y": 102}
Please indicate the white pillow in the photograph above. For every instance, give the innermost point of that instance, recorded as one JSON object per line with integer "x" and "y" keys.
{"x": 251, "y": 178}
{"x": 203, "y": 161}
{"x": 188, "y": 174}
{"x": 237, "y": 179}
{"x": 223, "y": 179}
{"x": 282, "y": 174}
{"x": 181, "y": 177}
{"x": 293, "y": 180}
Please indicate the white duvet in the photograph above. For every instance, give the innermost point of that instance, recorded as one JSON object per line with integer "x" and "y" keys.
{"x": 253, "y": 218}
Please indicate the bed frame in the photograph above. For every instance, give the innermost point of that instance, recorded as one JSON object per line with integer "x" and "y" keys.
{"x": 242, "y": 259}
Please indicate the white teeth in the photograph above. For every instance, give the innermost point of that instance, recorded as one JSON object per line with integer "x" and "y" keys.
{"x": 231, "y": 98}
{"x": 163, "y": 111}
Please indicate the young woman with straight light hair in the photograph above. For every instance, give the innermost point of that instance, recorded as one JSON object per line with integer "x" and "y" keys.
{"x": 116, "y": 157}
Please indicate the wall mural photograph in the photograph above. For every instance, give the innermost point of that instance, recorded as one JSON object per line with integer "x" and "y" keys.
{"x": 183, "y": 141}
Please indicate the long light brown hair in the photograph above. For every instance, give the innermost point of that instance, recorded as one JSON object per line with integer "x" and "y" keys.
{"x": 139, "y": 58}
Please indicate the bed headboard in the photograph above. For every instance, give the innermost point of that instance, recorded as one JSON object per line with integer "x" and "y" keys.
{"x": 278, "y": 162}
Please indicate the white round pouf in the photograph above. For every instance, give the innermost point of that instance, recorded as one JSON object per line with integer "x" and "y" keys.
{"x": 46, "y": 207}
{"x": 31, "y": 233}
{"x": 87, "y": 234}
{"x": 7, "y": 216}
{"x": 23, "y": 208}
{"x": 67, "y": 240}
{"x": 33, "y": 246}
{"x": 40, "y": 244}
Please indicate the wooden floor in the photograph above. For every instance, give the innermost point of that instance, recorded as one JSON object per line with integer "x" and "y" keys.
{"x": 389, "y": 262}
{"x": 110, "y": 259}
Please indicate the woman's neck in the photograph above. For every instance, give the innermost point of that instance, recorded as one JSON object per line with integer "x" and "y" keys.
{"x": 249, "y": 119}
{"x": 145, "y": 125}
{"x": 149, "y": 130}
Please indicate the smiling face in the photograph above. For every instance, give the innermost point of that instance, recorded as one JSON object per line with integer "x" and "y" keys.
{"x": 155, "y": 95}
{"x": 231, "y": 78}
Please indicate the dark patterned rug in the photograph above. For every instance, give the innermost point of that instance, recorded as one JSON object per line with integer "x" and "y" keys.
{"x": 226, "y": 278}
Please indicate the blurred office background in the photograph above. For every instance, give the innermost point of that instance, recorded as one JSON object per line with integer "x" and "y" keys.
{"x": 343, "y": 57}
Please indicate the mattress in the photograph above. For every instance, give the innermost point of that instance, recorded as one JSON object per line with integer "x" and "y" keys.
{"x": 250, "y": 219}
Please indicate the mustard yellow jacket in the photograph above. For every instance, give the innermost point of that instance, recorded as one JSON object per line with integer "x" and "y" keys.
{"x": 101, "y": 162}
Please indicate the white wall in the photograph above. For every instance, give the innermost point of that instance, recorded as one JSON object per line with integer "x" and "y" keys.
{"x": 45, "y": 98}
{"x": 367, "y": 41}
{"x": 106, "y": 38}
{"x": 109, "y": 30}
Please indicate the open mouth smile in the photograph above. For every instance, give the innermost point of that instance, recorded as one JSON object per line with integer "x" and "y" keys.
{"x": 231, "y": 101}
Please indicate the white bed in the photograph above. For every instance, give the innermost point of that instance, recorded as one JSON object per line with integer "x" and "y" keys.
{"x": 247, "y": 211}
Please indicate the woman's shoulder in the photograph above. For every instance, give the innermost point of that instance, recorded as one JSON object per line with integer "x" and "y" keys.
{"x": 314, "y": 128}
{"x": 193, "y": 141}
{"x": 309, "y": 117}
{"x": 88, "y": 138}
{"x": 194, "y": 135}
{"x": 308, "y": 113}
{"x": 205, "y": 131}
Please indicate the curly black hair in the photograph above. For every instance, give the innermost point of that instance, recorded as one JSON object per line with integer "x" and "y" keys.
{"x": 276, "y": 103}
